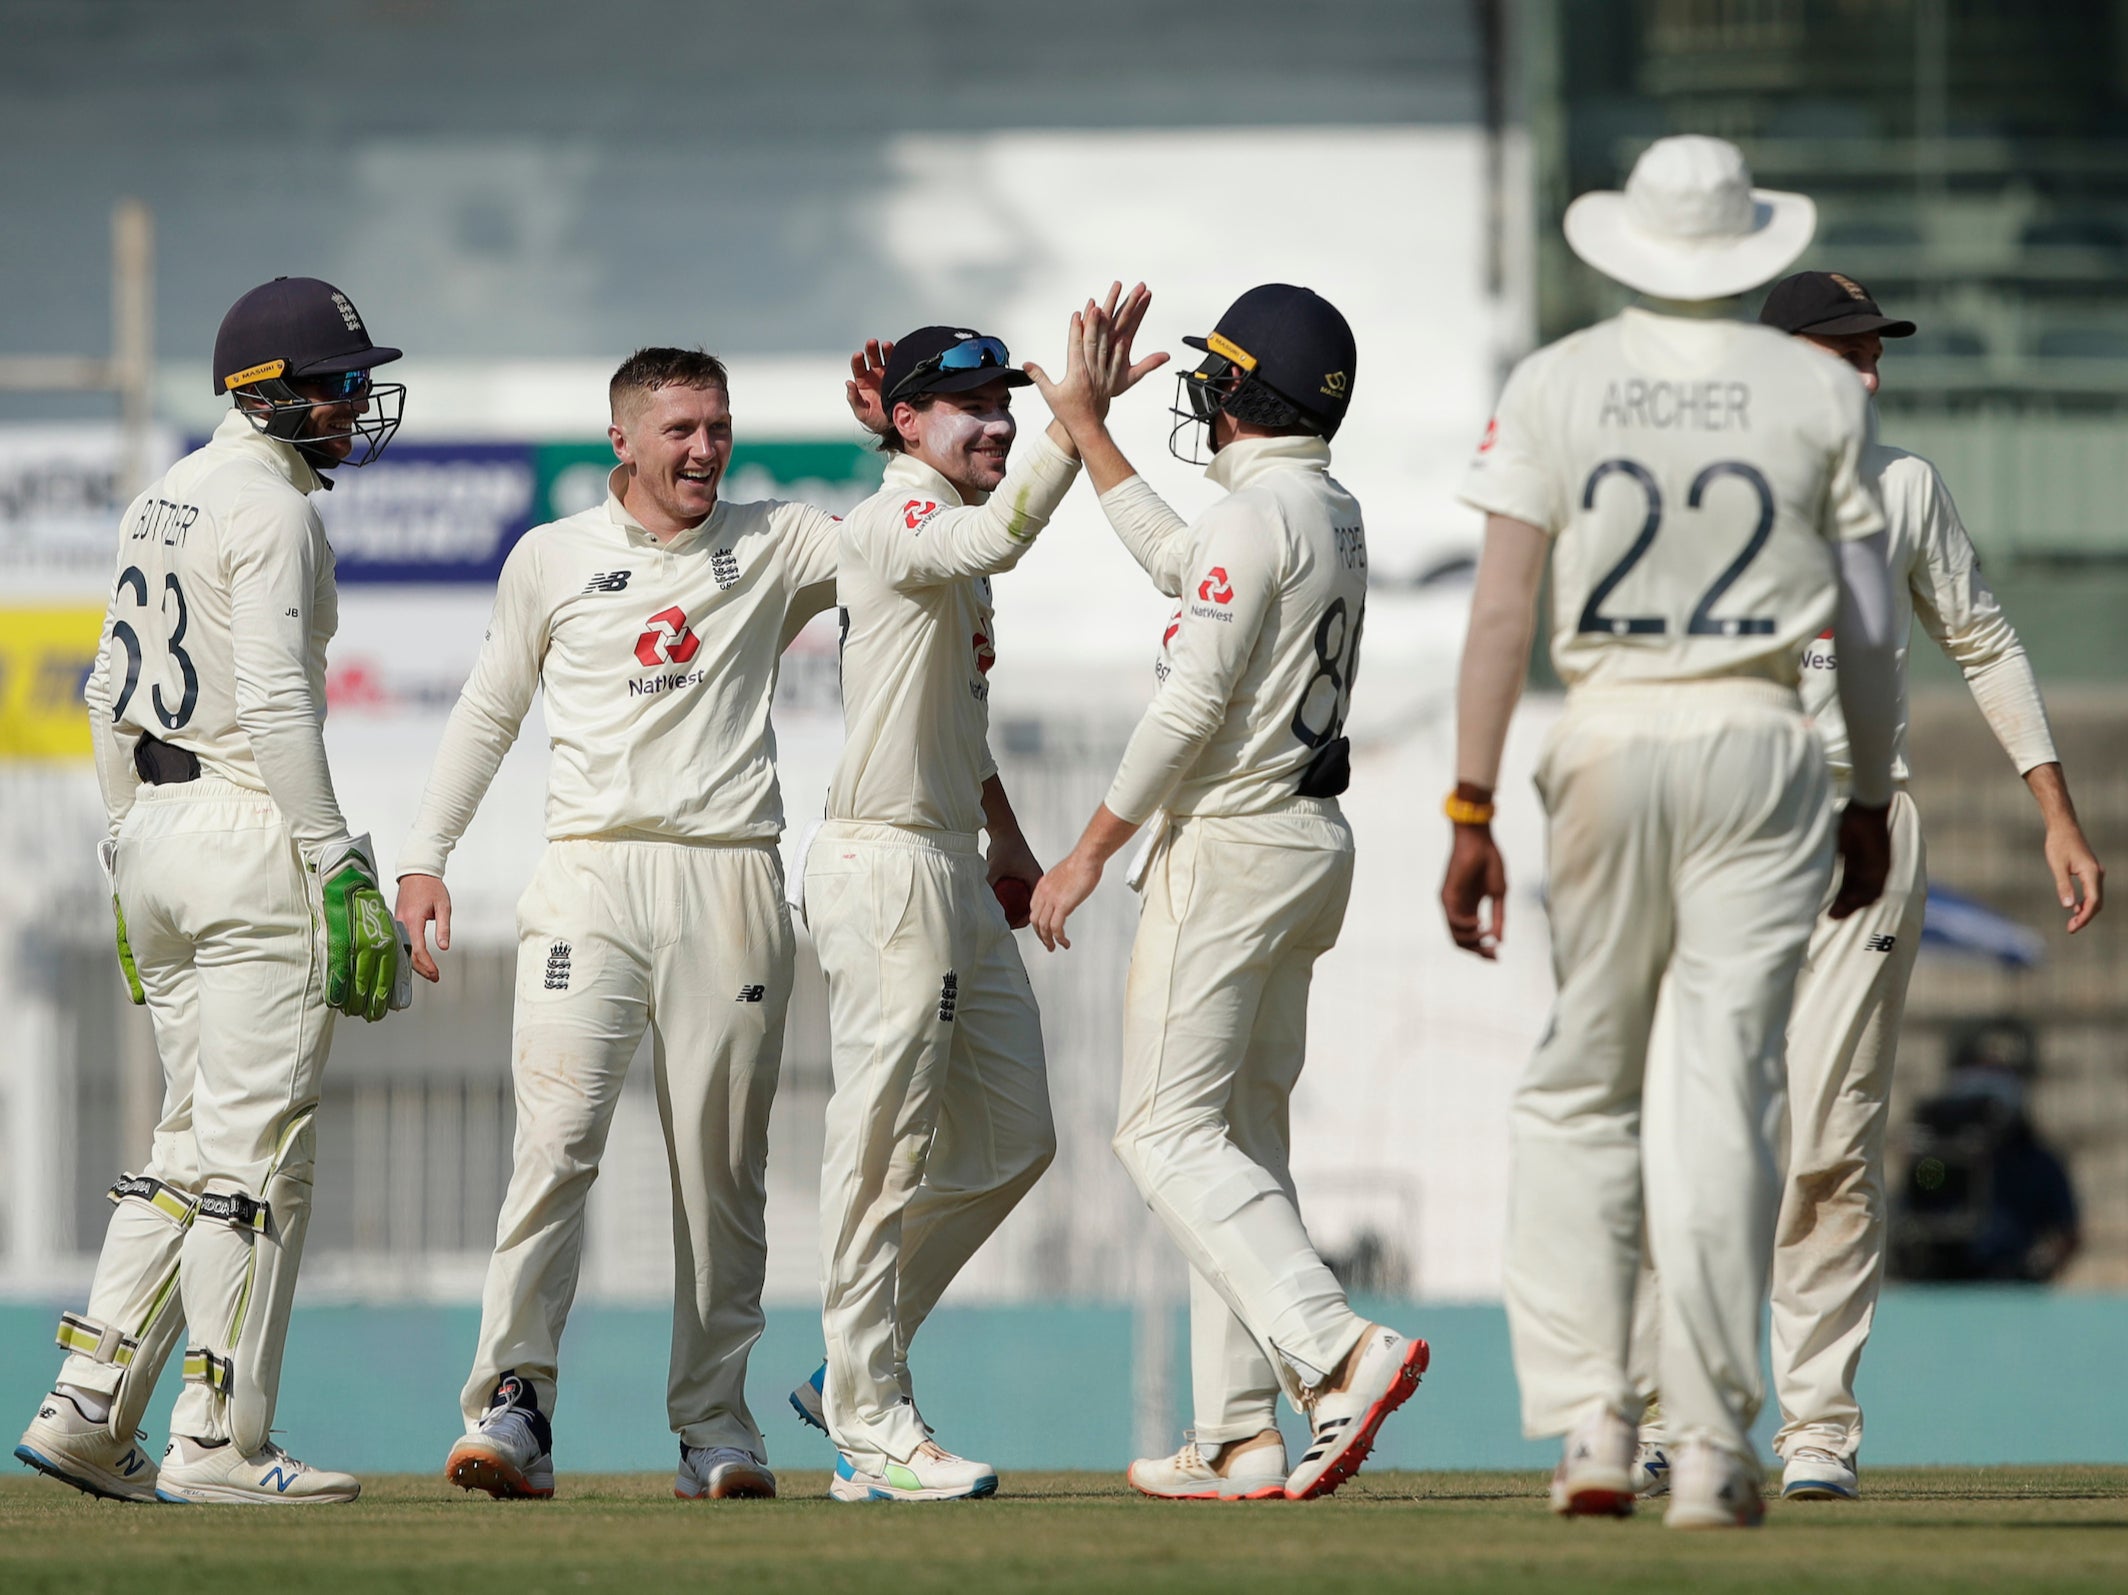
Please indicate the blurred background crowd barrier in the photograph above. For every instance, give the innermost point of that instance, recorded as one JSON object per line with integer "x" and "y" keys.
{"x": 519, "y": 194}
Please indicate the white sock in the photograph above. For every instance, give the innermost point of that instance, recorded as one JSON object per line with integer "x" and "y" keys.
{"x": 94, "y": 1404}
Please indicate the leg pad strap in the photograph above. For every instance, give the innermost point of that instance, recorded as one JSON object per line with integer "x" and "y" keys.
{"x": 203, "y": 1367}
{"x": 106, "y": 1343}
{"x": 175, "y": 1205}
{"x": 237, "y": 1210}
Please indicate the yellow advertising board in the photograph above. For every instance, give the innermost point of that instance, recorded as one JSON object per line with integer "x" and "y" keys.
{"x": 45, "y": 655}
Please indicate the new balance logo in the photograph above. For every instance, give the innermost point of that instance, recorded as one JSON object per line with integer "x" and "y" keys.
{"x": 752, "y": 993}
{"x": 608, "y": 581}
{"x": 949, "y": 996}
{"x": 277, "y": 1476}
{"x": 1881, "y": 943}
{"x": 724, "y": 565}
{"x": 558, "y": 967}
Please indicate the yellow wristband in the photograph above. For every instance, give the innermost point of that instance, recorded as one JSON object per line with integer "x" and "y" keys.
{"x": 1464, "y": 812}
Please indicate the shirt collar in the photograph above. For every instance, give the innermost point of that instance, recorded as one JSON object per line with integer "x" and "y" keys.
{"x": 237, "y": 432}
{"x": 906, "y": 473}
{"x": 637, "y": 532}
{"x": 1245, "y": 459}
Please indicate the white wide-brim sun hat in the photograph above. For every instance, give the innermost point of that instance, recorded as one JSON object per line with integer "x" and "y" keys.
{"x": 1689, "y": 225}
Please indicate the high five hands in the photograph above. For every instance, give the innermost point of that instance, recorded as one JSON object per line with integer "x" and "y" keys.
{"x": 1097, "y": 360}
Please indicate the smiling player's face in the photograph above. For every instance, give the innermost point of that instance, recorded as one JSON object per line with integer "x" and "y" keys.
{"x": 965, "y": 437}
{"x": 677, "y": 442}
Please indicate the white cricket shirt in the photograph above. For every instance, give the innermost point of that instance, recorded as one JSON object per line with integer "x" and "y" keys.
{"x": 918, "y": 637}
{"x": 1693, "y": 474}
{"x": 1256, "y": 668}
{"x": 215, "y": 637}
{"x": 1935, "y": 578}
{"x": 658, "y": 661}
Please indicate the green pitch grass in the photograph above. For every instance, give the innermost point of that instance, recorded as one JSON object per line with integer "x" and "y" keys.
{"x": 1934, "y": 1530}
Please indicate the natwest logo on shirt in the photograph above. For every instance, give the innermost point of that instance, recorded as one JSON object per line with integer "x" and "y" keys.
{"x": 1216, "y": 588}
{"x": 1492, "y": 436}
{"x": 985, "y": 654}
{"x": 917, "y": 511}
{"x": 666, "y": 640}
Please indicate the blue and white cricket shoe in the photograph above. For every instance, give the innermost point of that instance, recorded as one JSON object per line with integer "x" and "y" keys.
{"x": 932, "y": 1474}
{"x": 809, "y": 1400}
{"x": 1651, "y": 1468}
{"x": 76, "y": 1449}
{"x": 1816, "y": 1474}
{"x": 196, "y": 1472}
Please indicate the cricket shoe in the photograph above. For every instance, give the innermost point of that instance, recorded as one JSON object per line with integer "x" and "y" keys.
{"x": 1711, "y": 1488}
{"x": 76, "y": 1449}
{"x": 1651, "y": 1469}
{"x": 932, "y": 1474}
{"x": 1241, "y": 1470}
{"x": 810, "y": 1400}
{"x": 1382, "y": 1372}
{"x": 197, "y": 1472}
{"x": 510, "y": 1452}
{"x": 1812, "y": 1474}
{"x": 1595, "y": 1476}
{"x": 722, "y": 1473}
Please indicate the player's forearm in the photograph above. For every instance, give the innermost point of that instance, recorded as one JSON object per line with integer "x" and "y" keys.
{"x": 475, "y": 740}
{"x": 1868, "y": 677}
{"x": 2008, "y": 695}
{"x": 1106, "y": 835}
{"x": 1157, "y": 538}
{"x": 981, "y": 540}
{"x": 1165, "y": 745}
{"x": 287, "y": 739}
{"x": 998, "y": 818}
{"x": 2050, "y": 790}
{"x": 1496, "y": 647}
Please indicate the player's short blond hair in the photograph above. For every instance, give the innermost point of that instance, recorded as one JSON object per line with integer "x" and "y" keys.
{"x": 648, "y": 370}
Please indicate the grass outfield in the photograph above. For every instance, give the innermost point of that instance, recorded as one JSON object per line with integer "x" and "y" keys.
{"x": 1933, "y": 1529}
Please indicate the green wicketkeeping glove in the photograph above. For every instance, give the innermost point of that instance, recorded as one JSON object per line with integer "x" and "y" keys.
{"x": 362, "y": 949}
{"x": 107, "y": 854}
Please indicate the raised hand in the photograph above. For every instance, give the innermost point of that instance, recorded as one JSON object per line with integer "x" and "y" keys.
{"x": 1123, "y": 323}
{"x": 868, "y": 375}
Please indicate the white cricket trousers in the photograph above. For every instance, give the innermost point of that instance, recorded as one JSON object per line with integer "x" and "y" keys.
{"x": 1690, "y": 836}
{"x": 939, "y": 1122}
{"x": 223, "y": 917}
{"x": 1215, "y": 1030}
{"x": 1828, "y": 1251}
{"x": 692, "y": 942}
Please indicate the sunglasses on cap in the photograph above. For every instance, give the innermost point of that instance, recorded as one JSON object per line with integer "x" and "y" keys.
{"x": 973, "y": 354}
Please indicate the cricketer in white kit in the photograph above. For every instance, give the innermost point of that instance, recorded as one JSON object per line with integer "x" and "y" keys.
{"x": 247, "y": 914}
{"x": 1828, "y": 1260}
{"x": 1697, "y": 483}
{"x": 653, "y": 624}
{"x": 1239, "y": 762}
{"x": 939, "y": 1122}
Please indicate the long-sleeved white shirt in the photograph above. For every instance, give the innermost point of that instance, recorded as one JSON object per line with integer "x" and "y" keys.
{"x": 214, "y": 640}
{"x": 1935, "y": 578}
{"x": 658, "y": 662}
{"x": 1256, "y": 669}
{"x": 1693, "y": 475}
{"x": 918, "y": 637}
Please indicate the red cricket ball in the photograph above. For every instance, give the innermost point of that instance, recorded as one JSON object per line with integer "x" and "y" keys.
{"x": 1015, "y": 896}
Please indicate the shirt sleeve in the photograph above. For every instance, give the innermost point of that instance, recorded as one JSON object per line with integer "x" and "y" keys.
{"x": 1158, "y": 538}
{"x": 116, "y": 778}
{"x": 1235, "y": 556}
{"x": 1852, "y": 507}
{"x": 923, "y": 544}
{"x": 485, "y": 722}
{"x": 274, "y": 549}
{"x": 814, "y": 541}
{"x": 1957, "y": 607}
{"x": 1514, "y": 471}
